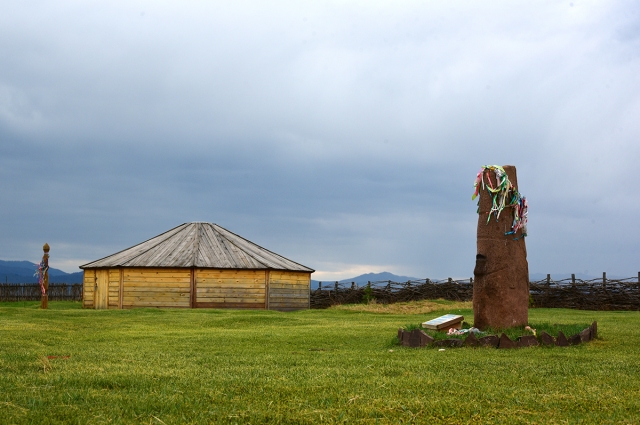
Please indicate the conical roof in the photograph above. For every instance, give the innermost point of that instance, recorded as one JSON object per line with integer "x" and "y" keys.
{"x": 203, "y": 245}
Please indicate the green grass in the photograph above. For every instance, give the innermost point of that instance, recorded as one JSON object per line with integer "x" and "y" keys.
{"x": 152, "y": 366}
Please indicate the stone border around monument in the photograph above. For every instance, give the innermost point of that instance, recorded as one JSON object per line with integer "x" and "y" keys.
{"x": 419, "y": 338}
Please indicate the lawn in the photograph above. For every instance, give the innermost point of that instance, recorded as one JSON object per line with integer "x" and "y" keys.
{"x": 320, "y": 366}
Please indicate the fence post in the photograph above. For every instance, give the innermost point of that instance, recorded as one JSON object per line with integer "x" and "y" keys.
{"x": 471, "y": 280}
{"x": 548, "y": 280}
{"x": 449, "y": 279}
{"x": 604, "y": 279}
{"x": 353, "y": 285}
{"x": 573, "y": 280}
{"x": 319, "y": 286}
{"x": 336, "y": 287}
{"x": 44, "y": 302}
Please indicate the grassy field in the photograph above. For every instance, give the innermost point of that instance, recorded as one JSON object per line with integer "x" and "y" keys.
{"x": 153, "y": 366}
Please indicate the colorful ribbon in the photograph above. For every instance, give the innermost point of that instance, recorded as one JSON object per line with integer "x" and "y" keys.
{"x": 40, "y": 271}
{"x": 502, "y": 196}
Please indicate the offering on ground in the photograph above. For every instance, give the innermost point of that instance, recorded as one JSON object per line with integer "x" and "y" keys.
{"x": 447, "y": 321}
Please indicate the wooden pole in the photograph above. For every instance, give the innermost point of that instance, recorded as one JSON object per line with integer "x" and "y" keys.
{"x": 573, "y": 279}
{"x": 192, "y": 287}
{"x": 604, "y": 279}
{"x": 44, "y": 303}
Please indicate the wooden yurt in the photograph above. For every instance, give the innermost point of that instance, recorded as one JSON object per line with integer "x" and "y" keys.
{"x": 196, "y": 265}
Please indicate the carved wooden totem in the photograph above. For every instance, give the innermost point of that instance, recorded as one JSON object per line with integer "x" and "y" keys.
{"x": 44, "y": 302}
{"x": 501, "y": 274}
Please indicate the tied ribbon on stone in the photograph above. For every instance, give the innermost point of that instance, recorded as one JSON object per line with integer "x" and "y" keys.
{"x": 502, "y": 196}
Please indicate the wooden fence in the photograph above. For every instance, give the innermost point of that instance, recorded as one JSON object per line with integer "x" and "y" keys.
{"x": 595, "y": 294}
{"x": 32, "y": 292}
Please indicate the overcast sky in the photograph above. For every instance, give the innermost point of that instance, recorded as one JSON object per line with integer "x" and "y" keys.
{"x": 343, "y": 135}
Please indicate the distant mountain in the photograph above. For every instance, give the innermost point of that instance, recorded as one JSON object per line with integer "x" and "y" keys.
{"x": 364, "y": 278}
{"x": 23, "y": 272}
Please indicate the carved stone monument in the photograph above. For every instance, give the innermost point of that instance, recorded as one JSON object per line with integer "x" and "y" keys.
{"x": 501, "y": 274}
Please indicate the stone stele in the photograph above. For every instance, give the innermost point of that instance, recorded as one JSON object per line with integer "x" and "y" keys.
{"x": 501, "y": 275}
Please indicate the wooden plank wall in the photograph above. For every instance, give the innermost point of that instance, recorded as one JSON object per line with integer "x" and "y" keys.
{"x": 159, "y": 287}
{"x": 230, "y": 288}
{"x": 114, "y": 288}
{"x": 88, "y": 284}
{"x": 101, "y": 292}
{"x": 289, "y": 290}
{"x": 156, "y": 287}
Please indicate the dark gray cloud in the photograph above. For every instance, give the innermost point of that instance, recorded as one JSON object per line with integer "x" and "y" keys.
{"x": 344, "y": 136}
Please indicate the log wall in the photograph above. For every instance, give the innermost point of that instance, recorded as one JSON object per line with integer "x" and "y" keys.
{"x": 114, "y": 288}
{"x": 157, "y": 287}
{"x": 230, "y": 288}
{"x": 289, "y": 290}
{"x": 213, "y": 288}
{"x": 88, "y": 284}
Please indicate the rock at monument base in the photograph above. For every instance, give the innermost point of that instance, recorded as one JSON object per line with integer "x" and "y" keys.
{"x": 453, "y": 342}
{"x": 575, "y": 339}
{"x": 547, "y": 339}
{"x": 585, "y": 335}
{"x": 561, "y": 340}
{"x": 506, "y": 342}
{"x": 501, "y": 274}
{"x": 528, "y": 341}
{"x": 471, "y": 340}
{"x": 414, "y": 338}
{"x": 594, "y": 330}
{"x": 406, "y": 337}
{"x": 419, "y": 338}
{"x": 425, "y": 339}
{"x": 489, "y": 341}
